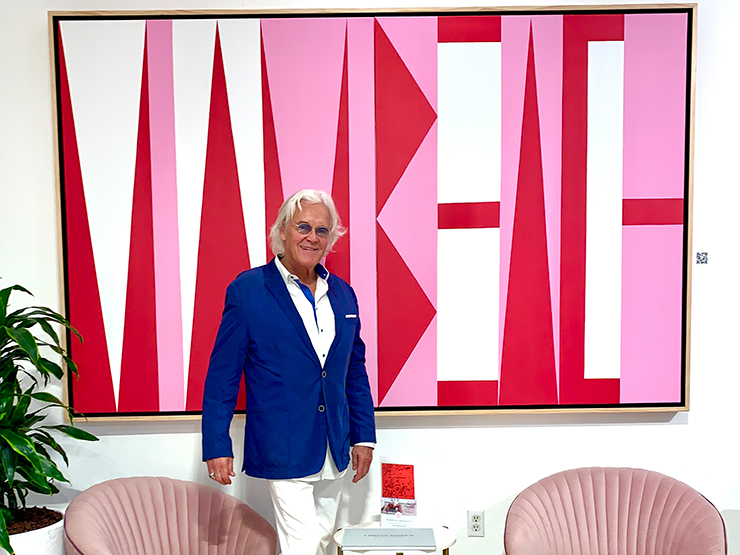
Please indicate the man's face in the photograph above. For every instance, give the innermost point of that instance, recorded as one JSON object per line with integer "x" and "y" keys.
{"x": 303, "y": 252}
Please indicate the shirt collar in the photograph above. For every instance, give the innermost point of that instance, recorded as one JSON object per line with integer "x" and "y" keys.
{"x": 289, "y": 278}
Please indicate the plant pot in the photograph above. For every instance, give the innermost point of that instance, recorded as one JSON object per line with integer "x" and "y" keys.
{"x": 44, "y": 541}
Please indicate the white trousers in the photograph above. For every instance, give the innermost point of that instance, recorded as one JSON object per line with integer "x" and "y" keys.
{"x": 305, "y": 514}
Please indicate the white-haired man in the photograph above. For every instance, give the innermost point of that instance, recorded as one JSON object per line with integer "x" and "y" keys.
{"x": 293, "y": 330}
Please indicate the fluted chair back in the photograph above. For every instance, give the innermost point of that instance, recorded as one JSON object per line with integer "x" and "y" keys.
{"x": 612, "y": 511}
{"x": 162, "y": 516}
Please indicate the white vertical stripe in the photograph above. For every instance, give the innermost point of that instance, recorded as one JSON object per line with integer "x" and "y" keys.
{"x": 240, "y": 44}
{"x": 467, "y": 304}
{"x": 104, "y": 65}
{"x": 604, "y": 210}
{"x": 193, "y": 43}
{"x": 469, "y": 148}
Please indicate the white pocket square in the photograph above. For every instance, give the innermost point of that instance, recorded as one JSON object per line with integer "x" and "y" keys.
{"x": 351, "y": 316}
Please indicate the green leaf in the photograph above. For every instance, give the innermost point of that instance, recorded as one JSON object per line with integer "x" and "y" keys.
{"x": 74, "y": 432}
{"x": 6, "y": 401}
{"x": 48, "y": 314}
{"x": 68, "y": 361}
{"x": 35, "y": 480}
{"x": 46, "y": 366}
{"x": 49, "y": 330}
{"x": 18, "y": 288}
{"x": 47, "y": 397}
{"x": 43, "y": 436}
{"x": 50, "y": 469}
{"x": 7, "y": 458}
{"x": 71, "y": 365}
{"x": 30, "y": 312}
{"x": 4, "y": 294}
{"x": 22, "y": 446}
{"x": 4, "y": 538}
{"x": 26, "y": 341}
{"x": 34, "y": 418}
{"x": 20, "y": 410}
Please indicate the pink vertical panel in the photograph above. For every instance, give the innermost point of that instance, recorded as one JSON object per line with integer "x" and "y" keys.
{"x": 652, "y": 301}
{"x": 654, "y": 105}
{"x": 528, "y": 372}
{"x": 362, "y": 184}
{"x": 548, "y": 52}
{"x": 164, "y": 209}
{"x": 304, "y": 60}
{"x": 514, "y": 44}
{"x": 411, "y": 37}
{"x": 403, "y": 119}
{"x": 409, "y": 214}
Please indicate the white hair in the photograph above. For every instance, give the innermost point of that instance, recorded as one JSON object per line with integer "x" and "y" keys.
{"x": 293, "y": 204}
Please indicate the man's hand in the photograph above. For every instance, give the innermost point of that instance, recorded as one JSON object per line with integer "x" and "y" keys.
{"x": 222, "y": 469}
{"x": 362, "y": 456}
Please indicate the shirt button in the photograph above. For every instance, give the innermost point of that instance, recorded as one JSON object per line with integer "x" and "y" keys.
{"x": 323, "y": 374}
{"x": 321, "y": 408}
{"x": 324, "y": 355}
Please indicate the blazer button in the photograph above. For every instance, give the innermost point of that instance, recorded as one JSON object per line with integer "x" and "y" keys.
{"x": 323, "y": 374}
{"x": 321, "y": 408}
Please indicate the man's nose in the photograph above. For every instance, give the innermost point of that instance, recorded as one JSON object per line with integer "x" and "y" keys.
{"x": 312, "y": 235}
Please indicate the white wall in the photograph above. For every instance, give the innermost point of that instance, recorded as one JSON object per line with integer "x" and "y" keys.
{"x": 465, "y": 462}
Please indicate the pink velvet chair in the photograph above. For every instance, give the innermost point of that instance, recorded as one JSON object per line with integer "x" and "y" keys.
{"x": 161, "y": 516}
{"x": 612, "y": 511}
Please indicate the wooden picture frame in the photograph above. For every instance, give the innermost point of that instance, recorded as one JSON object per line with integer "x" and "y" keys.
{"x": 516, "y": 183}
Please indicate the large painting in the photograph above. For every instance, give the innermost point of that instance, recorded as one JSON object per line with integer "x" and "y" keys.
{"x": 516, "y": 186}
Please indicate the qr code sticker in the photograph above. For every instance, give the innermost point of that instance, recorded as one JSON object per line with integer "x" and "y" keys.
{"x": 702, "y": 258}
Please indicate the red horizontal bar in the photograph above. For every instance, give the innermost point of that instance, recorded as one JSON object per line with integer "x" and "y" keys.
{"x": 482, "y": 393}
{"x": 468, "y": 215}
{"x": 469, "y": 28}
{"x": 652, "y": 211}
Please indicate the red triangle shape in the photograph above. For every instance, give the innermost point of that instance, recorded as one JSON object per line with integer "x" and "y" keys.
{"x": 93, "y": 391}
{"x": 338, "y": 262}
{"x": 222, "y": 252}
{"x": 528, "y": 352}
{"x": 403, "y": 116}
{"x": 139, "y": 390}
{"x": 273, "y": 180}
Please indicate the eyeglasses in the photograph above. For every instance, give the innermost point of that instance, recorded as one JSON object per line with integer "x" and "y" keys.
{"x": 304, "y": 229}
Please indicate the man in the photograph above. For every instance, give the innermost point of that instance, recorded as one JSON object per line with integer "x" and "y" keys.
{"x": 293, "y": 330}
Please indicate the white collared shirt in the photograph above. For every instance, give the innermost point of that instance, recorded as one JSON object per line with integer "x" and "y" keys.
{"x": 319, "y": 323}
{"x": 318, "y": 320}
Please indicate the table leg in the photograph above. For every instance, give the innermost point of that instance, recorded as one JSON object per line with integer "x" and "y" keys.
{"x": 339, "y": 550}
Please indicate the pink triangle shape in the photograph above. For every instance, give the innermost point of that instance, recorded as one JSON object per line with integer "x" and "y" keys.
{"x": 304, "y": 59}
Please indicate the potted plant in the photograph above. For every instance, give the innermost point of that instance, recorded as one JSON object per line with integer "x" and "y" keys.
{"x": 27, "y": 338}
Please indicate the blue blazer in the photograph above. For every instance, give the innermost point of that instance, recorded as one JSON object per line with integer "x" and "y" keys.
{"x": 293, "y": 405}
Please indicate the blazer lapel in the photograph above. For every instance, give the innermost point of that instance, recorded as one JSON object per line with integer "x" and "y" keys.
{"x": 339, "y": 309}
{"x": 275, "y": 284}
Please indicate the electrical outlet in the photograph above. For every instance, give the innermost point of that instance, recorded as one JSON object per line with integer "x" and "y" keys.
{"x": 476, "y": 524}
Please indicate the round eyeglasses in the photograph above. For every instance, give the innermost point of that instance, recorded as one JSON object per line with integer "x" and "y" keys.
{"x": 304, "y": 229}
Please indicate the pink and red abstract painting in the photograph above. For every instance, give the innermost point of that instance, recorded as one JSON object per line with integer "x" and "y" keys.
{"x": 516, "y": 189}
